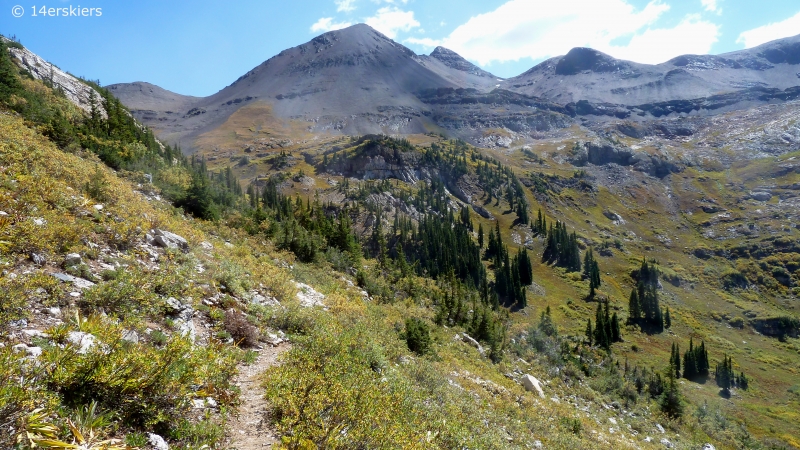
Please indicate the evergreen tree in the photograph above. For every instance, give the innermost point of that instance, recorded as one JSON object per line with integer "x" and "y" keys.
{"x": 546, "y": 324}
{"x": 9, "y": 81}
{"x": 525, "y": 268}
{"x": 418, "y": 336}
{"x": 742, "y": 381}
{"x": 667, "y": 319}
{"x": 643, "y": 304}
{"x": 671, "y": 401}
{"x": 724, "y": 374}
{"x": 634, "y": 307}
{"x": 601, "y": 337}
{"x": 616, "y": 336}
{"x": 480, "y": 236}
{"x": 726, "y": 377}
{"x": 676, "y": 361}
{"x": 561, "y": 248}
{"x": 198, "y": 199}
{"x": 589, "y": 332}
{"x": 695, "y": 361}
{"x": 538, "y": 226}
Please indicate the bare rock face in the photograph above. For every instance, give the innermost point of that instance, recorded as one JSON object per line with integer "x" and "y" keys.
{"x": 603, "y": 153}
{"x": 455, "y": 61}
{"x": 76, "y": 90}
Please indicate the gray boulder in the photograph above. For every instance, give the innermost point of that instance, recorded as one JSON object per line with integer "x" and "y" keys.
{"x": 83, "y": 342}
{"x": 79, "y": 283}
{"x": 167, "y": 239}
{"x": 72, "y": 259}
{"x": 531, "y": 384}
{"x": 157, "y": 442}
{"x": 483, "y": 212}
{"x": 183, "y": 313}
{"x": 130, "y": 336}
{"x": 33, "y": 352}
{"x": 711, "y": 209}
{"x": 471, "y": 341}
{"x": 761, "y": 196}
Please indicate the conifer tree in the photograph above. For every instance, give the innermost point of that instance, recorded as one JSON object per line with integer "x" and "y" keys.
{"x": 643, "y": 304}
{"x": 587, "y": 264}
{"x": 601, "y": 329}
{"x": 539, "y": 226}
{"x": 616, "y": 336}
{"x": 675, "y": 361}
{"x": 671, "y": 401}
{"x": 9, "y": 81}
{"x": 634, "y": 307}
{"x": 546, "y": 324}
{"x": 724, "y": 374}
{"x": 667, "y": 319}
{"x": 589, "y": 332}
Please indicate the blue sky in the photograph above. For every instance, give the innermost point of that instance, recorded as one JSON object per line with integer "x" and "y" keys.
{"x": 198, "y": 47}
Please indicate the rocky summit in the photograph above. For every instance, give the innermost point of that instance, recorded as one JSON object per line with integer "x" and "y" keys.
{"x": 357, "y": 81}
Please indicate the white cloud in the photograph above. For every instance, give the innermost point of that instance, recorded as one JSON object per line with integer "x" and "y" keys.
{"x": 653, "y": 46}
{"x": 389, "y": 20}
{"x": 770, "y": 32}
{"x": 711, "y": 5}
{"x": 325, "y": 24}
{"x": 539, "y": 29}
{"x": 346, "y": 5}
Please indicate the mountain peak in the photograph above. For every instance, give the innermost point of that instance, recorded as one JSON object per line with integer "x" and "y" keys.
{"x": 583, "y": 58}
{"x": 455, "y": 61}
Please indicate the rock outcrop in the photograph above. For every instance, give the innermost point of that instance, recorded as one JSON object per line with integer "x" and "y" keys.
{"x": 75, "y": 90}
{"x": 603, "y": 153}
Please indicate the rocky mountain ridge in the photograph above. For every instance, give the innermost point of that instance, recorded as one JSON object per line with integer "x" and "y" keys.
{"x": 77, "y": 91}
{"x": 357, "y": 81}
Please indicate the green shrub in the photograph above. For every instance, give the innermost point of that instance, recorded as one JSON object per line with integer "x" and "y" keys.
{"x": 129, "y": 293}
{"x": 418, "y": 336}
{"x": 97, "y": 187}
{"x": 732, "y": 278}
{"x": 14, "y": 305}
{"x": 157, "y": 337}
{"x": 142, "y": 386}
{"x": 18, "y": 394}
{"x": 573, "y": 425}
{"x": 233, "y": 279}
{"x": 327, "y": 384}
